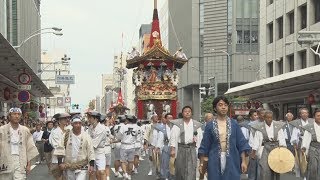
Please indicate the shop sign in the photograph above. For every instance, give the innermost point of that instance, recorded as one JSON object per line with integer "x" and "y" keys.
{"x": 24, "y": 87}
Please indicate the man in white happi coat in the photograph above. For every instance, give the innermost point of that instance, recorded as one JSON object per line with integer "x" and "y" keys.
{"x": 116, "y": 130}
{"x": 56, "y": 140}
{"x": 98, "y": 134}
{"x": 128, "y": 136}
{"x": 150, "y": 138}
{"x": 78, "y": 153}
{"x": 17, "y": 148}
{"x": 137, "y": 146}
{"x": 162, "y": 145}
{"x": 297, "y": 136}
{"x": 185, "y": 138}
{"x": 104, "y": 121}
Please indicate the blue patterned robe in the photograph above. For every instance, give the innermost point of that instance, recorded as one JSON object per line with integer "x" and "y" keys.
{"x": 210, "y": 147}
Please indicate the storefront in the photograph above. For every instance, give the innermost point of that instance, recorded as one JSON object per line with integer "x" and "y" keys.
{"x": 14, "y": 71}
{"x": 286, "y": 92}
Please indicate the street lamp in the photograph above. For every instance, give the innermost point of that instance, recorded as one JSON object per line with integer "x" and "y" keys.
{"x": 52, "y": 28}
{"x": 199, "y": 90}
{"x": 228, "y": 65}
{"x": 37, "y": 34}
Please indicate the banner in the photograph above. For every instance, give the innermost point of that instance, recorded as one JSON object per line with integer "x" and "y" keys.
{"x": 157, "y": 90}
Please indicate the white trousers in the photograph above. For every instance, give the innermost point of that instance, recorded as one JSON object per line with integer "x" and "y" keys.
{"x": 76, "y": 175}
{"x": 17, "y": 173}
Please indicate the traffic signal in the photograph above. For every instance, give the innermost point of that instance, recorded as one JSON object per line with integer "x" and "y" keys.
{"x": 75, "y": 106}
{"x": 202, "y": 90}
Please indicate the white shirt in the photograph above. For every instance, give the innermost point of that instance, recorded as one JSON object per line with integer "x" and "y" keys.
{"x": 160, "y": 141}
{"x": 245, "y": 132}
{"x": 128, "y": 136}
{"x": 14, "y": 140}
{"x": 258, "y": 137}
{"x": 56, "y": 139}
{"x": 37, "y": 136}
{"x": 98, "y": 135}
{"x": 138, "y": 143}
{"x": 154, "y": 137}
{"x": 108, "y": 139}
{"x": 188, "y": 129}
{"x": 251, "y": 136}
{"x": 295, "y": 137}
{"x": 75, "y": 146}
{"x": 307, "y": 138}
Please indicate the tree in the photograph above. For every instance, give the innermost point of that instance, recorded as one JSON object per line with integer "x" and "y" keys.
{"x": 206, "y": 105}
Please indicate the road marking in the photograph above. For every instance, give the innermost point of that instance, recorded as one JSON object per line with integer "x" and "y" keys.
{"x": 114, "y": 171}
{"x": 32, "y": 166}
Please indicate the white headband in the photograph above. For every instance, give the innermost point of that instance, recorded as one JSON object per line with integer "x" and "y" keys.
{"x": 15, "y": 109}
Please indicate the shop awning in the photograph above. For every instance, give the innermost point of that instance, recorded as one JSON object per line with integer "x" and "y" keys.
{"x": 282, "y": 88}
{"x": 12, "y": 64}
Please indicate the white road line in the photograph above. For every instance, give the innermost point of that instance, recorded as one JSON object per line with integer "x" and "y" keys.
{"x": 32, "y": 166}
{"x": 114, "y": 171}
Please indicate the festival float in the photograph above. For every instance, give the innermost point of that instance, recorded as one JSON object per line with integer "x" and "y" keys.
{"x": 155, "y": 75}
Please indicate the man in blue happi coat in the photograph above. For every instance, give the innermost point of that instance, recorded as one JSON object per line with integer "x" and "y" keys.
{"x": 223, "y": 145}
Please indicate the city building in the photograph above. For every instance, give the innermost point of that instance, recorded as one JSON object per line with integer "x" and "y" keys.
{"x": 288, "y": 67}
{"x": 107, "y": 84}
{"x": 18, "y": 21}
{"x": 51, "y": 65}
{"x": 214, "y": 30}
{"x": 144, "y": 37}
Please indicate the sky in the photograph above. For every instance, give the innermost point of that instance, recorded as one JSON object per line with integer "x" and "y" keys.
{"x": 92, "y": 35}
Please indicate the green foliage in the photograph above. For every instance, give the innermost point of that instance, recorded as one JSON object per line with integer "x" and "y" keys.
{"x": 206, "y": 105}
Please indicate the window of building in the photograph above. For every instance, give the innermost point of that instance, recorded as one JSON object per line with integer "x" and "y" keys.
{"x": 14, "y": 23}
{"x": 254, "y": 36}
{"x": 303, "y": 16}
{"x": 291, "y": 22}
{"x": 291, "y": 62}
{"x": 316, "y": 10}
{"x": 270, "y": 69}
{"x": 239, "y": 36}
{"x": 280, "y": 66}
{"x": 270, "y": 32}
{"x": 303, "y": 59}
{"x": 316, "y": 60}
{"x": 269, "y": 2}
{"x": 246, "y": 35}
{"x": 316, "y": 57}
{"x": 280, "y": 27}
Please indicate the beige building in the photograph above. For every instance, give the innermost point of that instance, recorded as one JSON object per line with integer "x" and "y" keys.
{"x": 51, "y": 65}
{"x": 289, "y": 72}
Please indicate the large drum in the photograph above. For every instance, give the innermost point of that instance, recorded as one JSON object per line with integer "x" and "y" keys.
{"x": 281, "y": 160}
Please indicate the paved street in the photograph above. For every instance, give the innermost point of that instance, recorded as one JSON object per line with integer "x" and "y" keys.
{"x": 40, "y": 172}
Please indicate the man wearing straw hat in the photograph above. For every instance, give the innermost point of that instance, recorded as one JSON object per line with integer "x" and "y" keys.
{"x": 269, "y": 135}
{"x": 17, "y": 148}
{"x": 78, "y": 152}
